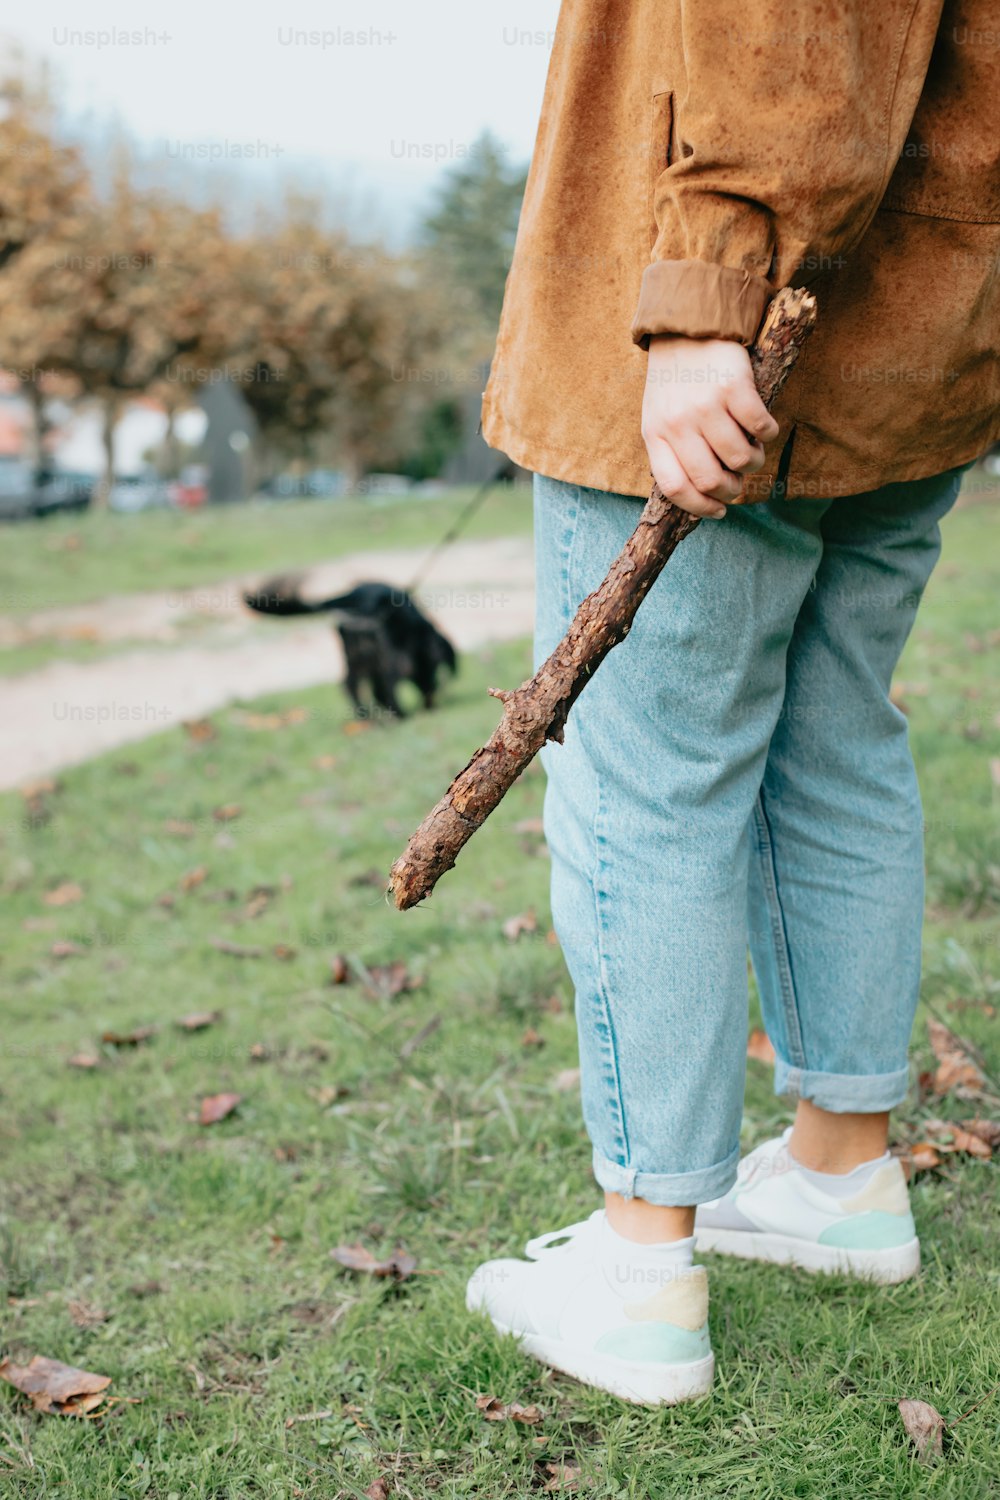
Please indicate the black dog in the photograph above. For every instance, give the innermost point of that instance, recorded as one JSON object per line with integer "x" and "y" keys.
{"x": 386, "y": 639}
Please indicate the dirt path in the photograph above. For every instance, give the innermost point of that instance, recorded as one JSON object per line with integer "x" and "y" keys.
{"x": 200, "y": 649}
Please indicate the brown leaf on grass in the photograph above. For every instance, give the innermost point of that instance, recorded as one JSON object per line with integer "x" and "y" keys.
{"x": 198, "y": 1020}
{"x": 199, "y": 730}
{"x": 386, "y": 981}
{"x": 378, "y": 1490}
{"x": 357, "y": 726}
{"x": 965, "y": 1140}
{"x": 340, "y": 969}
{"x": 180, "y": 828}
{"x": 64, "y": 895}
{"x": 227, "y": 813}
{"x": 760, "y": 1046}
{"x": 216, "y": 1107}
{"x": 532, "y": 1038}
{"x": 66, "y": 949}
{"x": 259, "y": 1052}
{"x": 523, "y": 922}
{"x": 495, "y": 1410}
{"x": 309, "y": 1416}
{"x": 258, "y": 901}
{"x": 133, "y": 1038}
{"x": 568, "y": 1078}
{"x": 86, "y": 1314}
{"x": 923, "y": 1157}
{"x": 268, "y": 723}
{"x": 56, "y": 1388}
{"x": 400, "y": 1264}
{"x": 561, "y": 1477}
{"x": 987, "y": 1130}
{"x": 83, "y": 1060}
{"x": 193, "y": 878}
{"x": 956, "y": 1072}
{"x": 236, "y": 950}
{"x": 924, "y": 1426}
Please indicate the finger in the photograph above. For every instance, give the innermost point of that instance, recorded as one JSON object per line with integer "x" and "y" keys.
{"x": 731, "y": 446}
{"x": 675, "y": 484}
{"x": 703, "y": 468}
{"x": 749, "y": 410}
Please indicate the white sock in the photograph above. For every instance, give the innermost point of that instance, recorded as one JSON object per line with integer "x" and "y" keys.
{"x": 677, "y": 1254}
{"x": 844, "y": 1184}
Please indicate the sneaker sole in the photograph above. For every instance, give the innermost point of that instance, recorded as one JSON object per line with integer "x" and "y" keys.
{"x": 884, "y": 1266}
{"x": 644, "y": 1384}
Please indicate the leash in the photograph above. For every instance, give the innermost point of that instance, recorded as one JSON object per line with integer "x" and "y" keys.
{"x": 505, "y": 471}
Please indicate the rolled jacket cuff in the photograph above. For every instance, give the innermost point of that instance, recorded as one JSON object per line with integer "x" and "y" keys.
{"x": 699, "y": 300}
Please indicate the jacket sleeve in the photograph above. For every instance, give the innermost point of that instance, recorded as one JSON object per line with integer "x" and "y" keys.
{"x": 787, "y": 126}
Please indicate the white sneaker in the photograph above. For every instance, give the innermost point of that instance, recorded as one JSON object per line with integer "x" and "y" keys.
{"x": 777, "y": 1211}
{"x": 621, "y": 1322}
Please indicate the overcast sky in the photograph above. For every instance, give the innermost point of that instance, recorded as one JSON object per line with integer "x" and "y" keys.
{"x": 381, "y": 94}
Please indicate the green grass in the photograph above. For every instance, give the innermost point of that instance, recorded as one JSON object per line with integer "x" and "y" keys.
{"x": 208, "y": 1249}
{"x": 68, "y": 560}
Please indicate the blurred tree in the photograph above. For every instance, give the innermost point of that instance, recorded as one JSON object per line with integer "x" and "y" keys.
{"x": 469, "y": 234}
{"x": 329, "y": 335}
{"x": 42, "y": 184}
{"x": 120, "y": 296}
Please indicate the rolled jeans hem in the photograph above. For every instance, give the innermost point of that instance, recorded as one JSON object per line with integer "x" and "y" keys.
{"x": 668, "y": 1189}
{"x": 842, "y": 1093}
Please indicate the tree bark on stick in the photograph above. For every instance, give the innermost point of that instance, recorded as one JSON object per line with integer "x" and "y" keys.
{"x": 537, "y": 710}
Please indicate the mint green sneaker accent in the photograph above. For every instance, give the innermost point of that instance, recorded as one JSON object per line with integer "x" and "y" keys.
{"x": 871, "y": 1231}
{"x": 660, "y": 1342}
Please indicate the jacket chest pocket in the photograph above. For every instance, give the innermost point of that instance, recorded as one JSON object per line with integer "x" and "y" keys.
{"x": 661, "y": 131}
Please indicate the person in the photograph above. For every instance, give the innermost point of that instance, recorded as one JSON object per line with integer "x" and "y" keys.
{"x": 736, "y": 774}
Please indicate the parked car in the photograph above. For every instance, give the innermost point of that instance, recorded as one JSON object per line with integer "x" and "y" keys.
{"x": 61, "y": 490}
{"x": 191, "y": 489}
{"x": 17, "y": 490}
{"x": 135, "y": 492}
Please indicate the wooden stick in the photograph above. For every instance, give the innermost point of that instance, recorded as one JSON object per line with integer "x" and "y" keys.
{"x": 537, "y": 710}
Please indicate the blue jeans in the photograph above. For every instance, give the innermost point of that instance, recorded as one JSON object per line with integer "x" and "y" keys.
{"x": 735, "y": 774}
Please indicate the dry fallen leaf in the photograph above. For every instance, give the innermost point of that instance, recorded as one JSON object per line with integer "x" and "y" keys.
{"x": 532, "y": 1038}
{"x": 965, "y": 1140}
{"x": 340, "y": 971}
{"x": 495, "y": 1410}
{"x": 198, "y": 1020}
{"x": 760, "y": 1047}
{"x": 66, "y": 950}
{"x": 236, "y": 950}
{"x": 133, "y": 1038}
{"x": 216, "y": 1107}
{"x": 56, "y": 1388}
{"x": 987, "y": 1130}
{"x": 923, "y": 1157}
{"x": 180, "y": 828}
{"x": 83, "y": 1060}
{"x": 523, "y": 922}
{"x": 199, "y": 730}
{"x": 85, "y": 1314}
{"x": 258, "y": 901}
{"x": 562, "y": 1477}
{"x": 227, "y": 813}
{"x": 386, "y": 981}
{"x": 193, "y": 878}
{"x": 925, "y": 1428}
{"x": 956, "y": 1072}
{"x": 378, "y": 1490}
{"x": 64, "y": 895}
{"x": 400, "y": 1264}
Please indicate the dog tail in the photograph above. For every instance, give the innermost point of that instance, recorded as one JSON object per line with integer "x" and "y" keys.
{"x": 281, "y": 596}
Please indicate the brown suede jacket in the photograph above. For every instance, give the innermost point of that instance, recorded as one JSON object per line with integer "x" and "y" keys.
{"x": 695, "y": 155}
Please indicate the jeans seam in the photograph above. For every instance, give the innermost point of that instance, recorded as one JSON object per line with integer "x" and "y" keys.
{"x": 612, "y": 1072}
{"x": 779, "y": 935}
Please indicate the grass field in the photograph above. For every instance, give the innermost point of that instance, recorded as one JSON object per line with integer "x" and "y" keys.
{"x": 73, "y": 559}
{"x": 192, "y": 1263}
